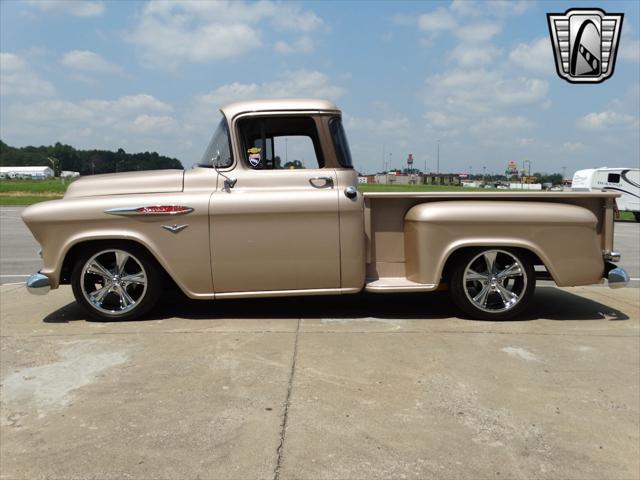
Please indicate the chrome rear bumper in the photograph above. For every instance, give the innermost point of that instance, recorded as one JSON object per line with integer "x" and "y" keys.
{"x": 38, "y": 284}
{"x": 618, "y": 278}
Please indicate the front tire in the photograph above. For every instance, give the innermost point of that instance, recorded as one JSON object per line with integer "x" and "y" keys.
{"x": 492, "y": 284}
{"x": 119, "y": 282}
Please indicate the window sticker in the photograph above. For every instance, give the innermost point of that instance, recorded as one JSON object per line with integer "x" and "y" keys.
{"x": 254, "y": 156}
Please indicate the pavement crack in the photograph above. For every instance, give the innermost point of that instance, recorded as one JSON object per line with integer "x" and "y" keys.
{"x": 287, "y": 403}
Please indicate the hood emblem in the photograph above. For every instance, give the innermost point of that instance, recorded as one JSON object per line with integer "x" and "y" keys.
{"x": 175, "y": 228}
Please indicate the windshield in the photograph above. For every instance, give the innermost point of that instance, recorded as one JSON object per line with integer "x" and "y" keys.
{"x": 218, "y": 153}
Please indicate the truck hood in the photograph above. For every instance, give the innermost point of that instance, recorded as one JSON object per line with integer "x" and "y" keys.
{"x": 154, "y": 181}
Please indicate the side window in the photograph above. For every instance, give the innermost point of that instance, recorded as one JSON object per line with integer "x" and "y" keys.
{"x": 340, "y": 143}
{"x": 279, "y": 143}
{"x": 613, "y": 178}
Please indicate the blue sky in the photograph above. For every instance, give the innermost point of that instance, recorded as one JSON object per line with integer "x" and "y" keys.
{"x": 478, "y": 76}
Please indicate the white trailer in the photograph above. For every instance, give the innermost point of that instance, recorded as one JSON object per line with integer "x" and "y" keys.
{"x": 625, "y": 181}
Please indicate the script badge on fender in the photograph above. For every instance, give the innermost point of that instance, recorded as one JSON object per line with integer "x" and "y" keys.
{"x": 585, "y": 43}
{"x": 175, "y": 228}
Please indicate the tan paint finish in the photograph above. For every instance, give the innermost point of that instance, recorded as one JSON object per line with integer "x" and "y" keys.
{"x": 564, "y": 237}
{"x": 60, "y": 224}
{"x": 156, "y": 181}
{"x": 275, "y": 233}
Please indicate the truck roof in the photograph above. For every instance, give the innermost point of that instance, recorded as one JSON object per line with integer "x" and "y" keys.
{"x": 286, "y": 104}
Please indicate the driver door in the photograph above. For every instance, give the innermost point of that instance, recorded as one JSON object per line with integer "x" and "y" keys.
{"x": 278, "y": 228}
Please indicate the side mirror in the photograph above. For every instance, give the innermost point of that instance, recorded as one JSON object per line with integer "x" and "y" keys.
{"x": 229, "y": 183}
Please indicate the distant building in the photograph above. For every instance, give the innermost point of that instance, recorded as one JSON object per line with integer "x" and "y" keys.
{"x": 452, "y": 179}
{"x": 36, "y": 173}
{"x": 442, "y": 179}
{"x": 69, "y": 174}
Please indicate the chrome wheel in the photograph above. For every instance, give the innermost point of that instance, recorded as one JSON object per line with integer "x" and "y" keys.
{"x": 495, "y": 281}
{"x": 113, "y": 282}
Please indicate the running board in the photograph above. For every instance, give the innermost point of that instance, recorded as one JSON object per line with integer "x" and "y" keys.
{"x": 396, "y": 284}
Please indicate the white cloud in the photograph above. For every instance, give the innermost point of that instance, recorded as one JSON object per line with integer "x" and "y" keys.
{"x": 437, "y": 20}
{"x": 439, "y": 119}
{"x": 154, "y": 123}
{"x": 630, "y": 50}
{"x": 536, "y": 56}
{"x": 501, "y": 8}
{"x": 478, "y": 91}
{"x": 18, "y": 79}
{"x": 77, "y": 8}
{"x": 573, "y": 146}
{"x": 87, "y": 61}
{"x": 500, "y": 123}
{"x": 136, "y": 123}
{"x": 607, "y": 119}
{"x": 294, "y": 18}
{"x": 470, "y": 56}
{"x": 301, "y": 45}
{"x": 169, "y": 33}
{"x": 479, "y": 32}
{"x": 299, "y": 83}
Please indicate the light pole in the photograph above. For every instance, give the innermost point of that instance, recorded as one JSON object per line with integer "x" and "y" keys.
{"x": 564, "y": 173}
{"x": 52, "y": 161}
{"x": 438, "y": 159}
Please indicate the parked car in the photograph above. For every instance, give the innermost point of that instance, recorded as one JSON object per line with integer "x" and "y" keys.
{"x": 273, "y": 210}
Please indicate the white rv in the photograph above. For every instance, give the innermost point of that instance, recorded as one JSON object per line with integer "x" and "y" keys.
{"x": 626, "y": 181}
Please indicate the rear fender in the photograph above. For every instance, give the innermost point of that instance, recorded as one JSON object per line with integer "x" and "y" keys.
{"x": 563, "y": 236}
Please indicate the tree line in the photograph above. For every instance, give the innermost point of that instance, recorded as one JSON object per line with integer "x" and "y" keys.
{"x": 88, "y": 162}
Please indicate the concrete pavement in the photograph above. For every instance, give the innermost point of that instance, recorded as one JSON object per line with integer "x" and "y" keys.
{"x": 365, "y": 386}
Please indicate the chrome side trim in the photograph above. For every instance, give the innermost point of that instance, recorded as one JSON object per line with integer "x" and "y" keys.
{"x": 618, "y": 278}
{"x": 175, "y": 228}
{"x": 38, "y": 284}
{"x": 133, "y": 211}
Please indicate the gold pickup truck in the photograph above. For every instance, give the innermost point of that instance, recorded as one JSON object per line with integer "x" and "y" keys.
{"x": 273, "y": 210}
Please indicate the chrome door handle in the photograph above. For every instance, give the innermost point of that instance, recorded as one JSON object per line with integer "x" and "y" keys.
{"x": 328, "y": 181}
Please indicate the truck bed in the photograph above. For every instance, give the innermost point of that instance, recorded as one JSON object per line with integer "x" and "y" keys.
{"x": 385, "y": 226}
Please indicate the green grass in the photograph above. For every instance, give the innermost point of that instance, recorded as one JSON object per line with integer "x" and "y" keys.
{"x": 51, "y": 185}
{"x": 627, "y": 217}
{"x": 25, "y": 199}
{"x": 377, "y": 187}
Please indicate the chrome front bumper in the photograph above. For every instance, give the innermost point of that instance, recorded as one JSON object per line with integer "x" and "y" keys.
{"x": 38, "y": 284}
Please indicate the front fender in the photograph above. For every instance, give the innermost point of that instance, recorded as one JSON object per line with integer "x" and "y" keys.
{"x": 563, "y": 236}
{"x": 60, "y": 225}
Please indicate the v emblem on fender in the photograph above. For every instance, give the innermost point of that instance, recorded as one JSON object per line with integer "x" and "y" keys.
{"x": 175, "y": 228}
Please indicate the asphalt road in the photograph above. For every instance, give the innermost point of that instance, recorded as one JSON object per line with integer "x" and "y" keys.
{"x": 18, "y": 248}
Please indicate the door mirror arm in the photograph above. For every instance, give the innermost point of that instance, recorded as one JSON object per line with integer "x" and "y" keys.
{"x": 229, "y": 182}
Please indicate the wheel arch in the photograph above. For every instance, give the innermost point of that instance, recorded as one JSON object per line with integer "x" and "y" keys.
{"x": 75, "y": 250}
{"x": 528, "y": 251}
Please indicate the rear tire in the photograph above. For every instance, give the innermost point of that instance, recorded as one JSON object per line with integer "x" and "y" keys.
{"x": 116, "y": 282}
{"x": 492, "y": 283}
